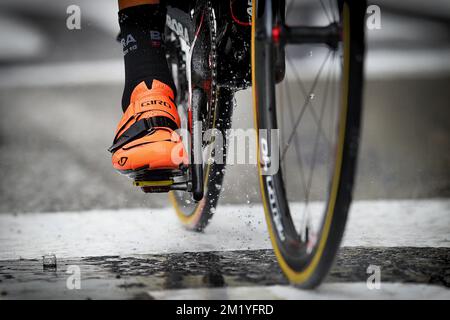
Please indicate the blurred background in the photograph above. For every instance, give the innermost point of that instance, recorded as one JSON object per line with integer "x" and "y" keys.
{"x": 60, "y": 93}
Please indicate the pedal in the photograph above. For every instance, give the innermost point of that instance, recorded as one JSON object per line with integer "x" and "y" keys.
{"x": 154, "y": 186}
{"x": 158, "y": 181}
{"x": 163, "y": 183}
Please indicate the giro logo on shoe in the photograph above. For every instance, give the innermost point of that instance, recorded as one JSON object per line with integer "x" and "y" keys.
{"x": 122, "y": 161}
{"x": 155, "y": 102}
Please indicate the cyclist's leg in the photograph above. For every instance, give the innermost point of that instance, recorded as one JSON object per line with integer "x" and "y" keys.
{"x": 149, "y": 92}
{"x": 141, "y": 28}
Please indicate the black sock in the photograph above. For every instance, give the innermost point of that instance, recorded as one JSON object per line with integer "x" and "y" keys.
{"x": 141, "y": 35}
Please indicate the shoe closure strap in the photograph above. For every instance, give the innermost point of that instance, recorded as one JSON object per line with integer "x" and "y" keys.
{"x": 151, "y": 104}
{"x": 140, "y": 129}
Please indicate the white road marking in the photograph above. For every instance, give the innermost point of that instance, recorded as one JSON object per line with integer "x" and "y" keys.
{"x": 338, "y": 291}
{"x": 421, "y": 223}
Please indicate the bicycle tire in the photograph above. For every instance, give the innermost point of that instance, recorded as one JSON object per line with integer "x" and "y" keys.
{"x": 300, "y": 268}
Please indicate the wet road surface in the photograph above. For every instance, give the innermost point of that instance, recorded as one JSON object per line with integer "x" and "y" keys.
{"x": 136, "y": 254}
{"x": 114, "y": 277}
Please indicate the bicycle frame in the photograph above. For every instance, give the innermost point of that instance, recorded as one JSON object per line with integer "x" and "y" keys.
{"x": 231, "y": 58}
{"x": 233, "y": 28}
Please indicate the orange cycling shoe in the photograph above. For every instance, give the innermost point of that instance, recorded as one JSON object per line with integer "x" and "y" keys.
{"x": 146, "y": 146}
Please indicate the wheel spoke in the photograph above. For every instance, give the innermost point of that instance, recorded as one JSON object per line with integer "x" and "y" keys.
{"x": 296, "y": 139}
{"x": 306, "y": 217}
{"x": 333, "y": 7}
{"x": 316, "y": 141}
{"x": 302, "y": 87}
{"x": 305, "y": 105}
{"x": 330, "y": 20}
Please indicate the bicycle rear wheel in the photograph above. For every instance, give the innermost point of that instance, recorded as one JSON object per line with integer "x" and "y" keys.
{"x": 215, "y": 114}
{"x": 310, "y": 93}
